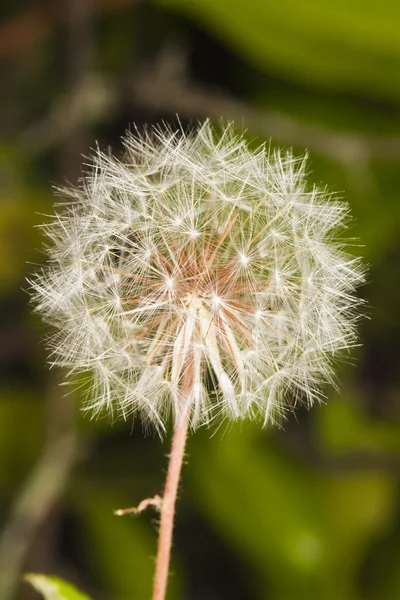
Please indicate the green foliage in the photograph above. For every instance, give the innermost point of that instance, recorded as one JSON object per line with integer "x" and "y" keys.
{"x": 268, "y": 507}
{"x": 283, "y": 518}
{"x": 53, "y": 588}
{"x": 327, "y": 55}
{"x": 334, "y": 45}
{"x": 19, "y": 238}
{"x": 343, "y": 426}
{"x": 21, "y": 417}
{"x": 308, "y": 513}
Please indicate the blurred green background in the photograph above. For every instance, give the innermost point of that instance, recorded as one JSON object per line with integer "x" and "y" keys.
{"x": 311, "y": 511}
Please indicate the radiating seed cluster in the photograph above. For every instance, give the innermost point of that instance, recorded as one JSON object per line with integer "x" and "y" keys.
{"x": 198, "y": 277}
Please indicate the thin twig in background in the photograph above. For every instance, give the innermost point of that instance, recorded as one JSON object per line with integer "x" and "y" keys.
{"x": 47, "y": 482}
{"x": 165, "y": 87}
{"x": 21, "y": 33}
{"x": 43, "y": 488}
{"x": 79, "y": 63}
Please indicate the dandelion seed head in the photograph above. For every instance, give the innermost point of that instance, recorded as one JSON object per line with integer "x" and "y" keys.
{"x": 197, "y": 276}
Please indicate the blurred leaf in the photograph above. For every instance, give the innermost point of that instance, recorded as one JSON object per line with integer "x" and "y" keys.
{"x": 338, "y": 45}
{"x": 15, "y": 237}
{"x": 381, "y": 571}
{"x": 53, "y": 588}
{"x": 361, "y": 506}
{"x": 270, "y": 509}
{"x": 361, "y": 503}
{"x": 375, "y": 209}
{"x": 286, "y": 519}
{"x": 342, "y": 425}
{"x": 20, "y": 203}
{"x": 22, "y": 430}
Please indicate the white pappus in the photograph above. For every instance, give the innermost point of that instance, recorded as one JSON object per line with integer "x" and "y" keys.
{"x": 196, "y": 276}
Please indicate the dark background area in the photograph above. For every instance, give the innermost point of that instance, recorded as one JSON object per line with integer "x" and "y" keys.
{"x": 309, "y": 511}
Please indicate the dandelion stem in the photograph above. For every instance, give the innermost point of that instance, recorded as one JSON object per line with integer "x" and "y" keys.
{"x": 168, "y": 508}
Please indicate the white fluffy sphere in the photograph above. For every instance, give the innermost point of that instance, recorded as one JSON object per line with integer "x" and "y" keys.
{"x": 198, "y": 277}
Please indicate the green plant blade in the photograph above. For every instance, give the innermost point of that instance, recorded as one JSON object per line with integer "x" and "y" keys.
{"x": 53, "y": 588}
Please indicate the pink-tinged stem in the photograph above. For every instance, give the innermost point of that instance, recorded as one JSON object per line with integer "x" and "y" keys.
{"x": 168, "y": 509}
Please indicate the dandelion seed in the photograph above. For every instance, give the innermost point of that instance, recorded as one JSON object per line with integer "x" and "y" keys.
{"x": 196, "y": 263}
